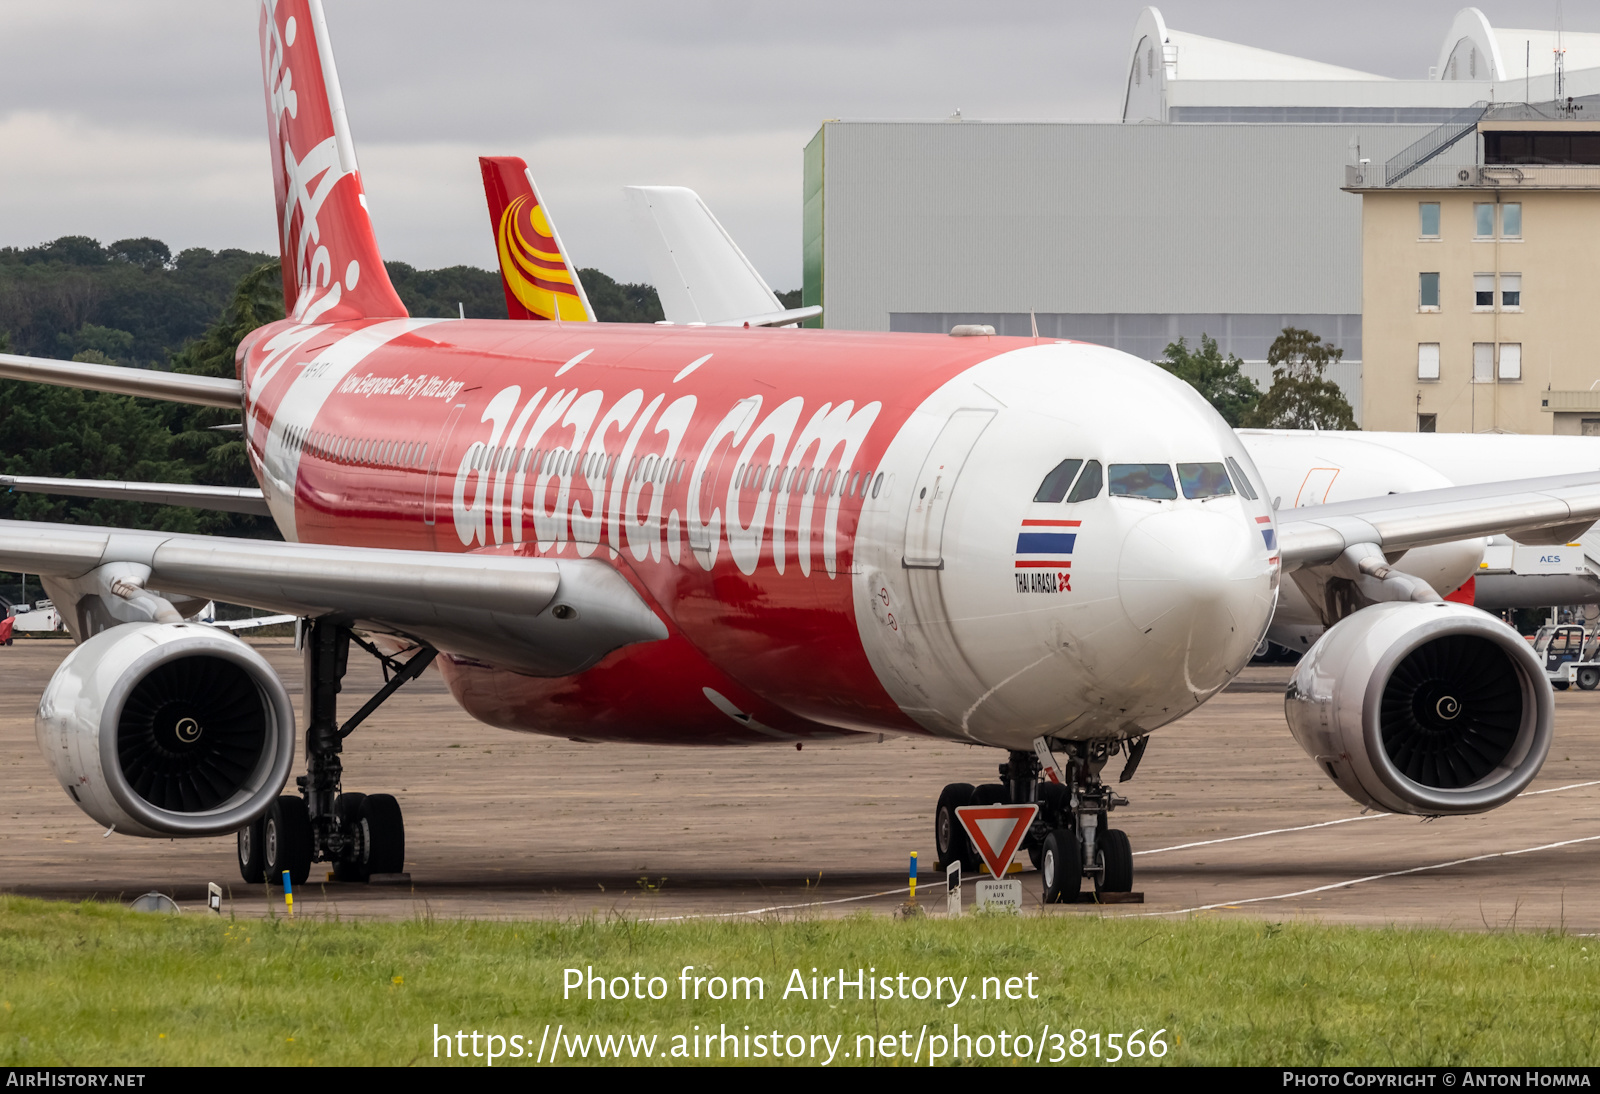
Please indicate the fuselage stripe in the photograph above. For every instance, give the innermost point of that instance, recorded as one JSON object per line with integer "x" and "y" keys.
{"x": 1045, "y": 543}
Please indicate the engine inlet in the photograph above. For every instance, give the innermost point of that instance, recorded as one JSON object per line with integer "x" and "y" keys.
{"x": 1451, "y": 712}
{"x": 191, "y": 733}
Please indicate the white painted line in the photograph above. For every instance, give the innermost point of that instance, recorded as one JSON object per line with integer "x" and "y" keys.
{"x": 1342, "y": 820}
{"x": 1268, "y": 832}
{"x": 1369, "y": 877}
{"x": 1558, "y": 789}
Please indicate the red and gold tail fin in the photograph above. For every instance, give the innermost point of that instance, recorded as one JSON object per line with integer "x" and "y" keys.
{"x": 538, "y": 277}
{"x": 331, "y": 266}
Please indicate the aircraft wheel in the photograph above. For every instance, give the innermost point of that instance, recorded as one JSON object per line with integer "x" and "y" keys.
{"x": 383, "y": 834}
{"x": 949, "y": 838}
{"x": 250, "y": 857}
{"x": 1061, "y": 867}
{"x": 989, "y": 794}
{"x": 1589, "y": 679}
{"x": 1116, "y": 857}
{"x": 348, "y": 811}
{"x": 286, "y": 841}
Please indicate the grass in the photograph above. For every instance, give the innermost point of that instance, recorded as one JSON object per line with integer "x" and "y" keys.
{"x": 91, "y": 984}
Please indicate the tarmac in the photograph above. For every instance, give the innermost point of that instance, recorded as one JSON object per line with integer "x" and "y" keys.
{"x": 1228, "y": 818}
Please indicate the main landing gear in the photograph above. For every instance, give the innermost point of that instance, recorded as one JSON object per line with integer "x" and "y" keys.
{"x": 360, "y": 834}
{"x": 1070, "y": 839}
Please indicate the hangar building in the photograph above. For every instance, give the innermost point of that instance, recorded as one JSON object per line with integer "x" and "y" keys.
{"x": 1214, "y": 205}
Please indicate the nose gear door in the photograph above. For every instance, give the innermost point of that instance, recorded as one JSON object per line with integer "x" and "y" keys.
{"x": 930, "y": 496}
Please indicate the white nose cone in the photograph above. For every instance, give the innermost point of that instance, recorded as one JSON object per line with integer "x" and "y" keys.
{"x": 1194, "y": 584}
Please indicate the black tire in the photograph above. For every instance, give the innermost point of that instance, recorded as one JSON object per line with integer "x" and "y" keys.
{"x": 1055, "y": 805}
{"x": 1559, "y": 685}
{"x": 990, "y": 794}
{"x": 250, "y": 857}
{"x": 348, "y": 811}
{"x": 1061, "y": 867}
{"x": 1588, "y": 679}
{"x": 383, "y": 835}
{"x": 286, "y": 841}
{"x": 1116, "y": 856}
{"x": 950, "y": 840}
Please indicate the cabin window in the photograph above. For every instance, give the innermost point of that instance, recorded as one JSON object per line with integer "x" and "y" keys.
{"x": 1088, "y": 485}
{"x": 1054, "y": 486}
{"x": 1204, "y": 480}
{"x": 877, "y": 484}
{"x": 1143, "y": 480}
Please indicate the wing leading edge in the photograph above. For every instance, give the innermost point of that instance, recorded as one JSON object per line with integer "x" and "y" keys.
{"x": 546, "y": 617}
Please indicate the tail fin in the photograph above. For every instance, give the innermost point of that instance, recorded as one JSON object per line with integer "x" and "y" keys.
{"x": 700, "y": 273}
{"x": 537, "y": 275}
{"x": 331, "y": 266}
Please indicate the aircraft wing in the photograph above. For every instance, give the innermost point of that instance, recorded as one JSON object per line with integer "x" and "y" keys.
{"x": 174, "y": 387}
{"x": 228, "y": 499}
{"x": 699, "y": 272}
{"x": 546, "y": 617}
{"x": 1551, "y": 509}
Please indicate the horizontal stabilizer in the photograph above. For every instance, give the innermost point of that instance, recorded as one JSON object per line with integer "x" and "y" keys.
{"x": 173, "y": 387}
{"x": 228, "y": 499}
{"x": 773, "y": 319}
{"x": 699, "y": 272}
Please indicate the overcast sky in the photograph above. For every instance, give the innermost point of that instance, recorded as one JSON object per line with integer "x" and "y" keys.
{"x": 123, "y": 118}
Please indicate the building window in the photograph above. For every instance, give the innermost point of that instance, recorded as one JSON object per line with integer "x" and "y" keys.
{"x": 1483, "y": 362}
{"x": 1428, "y": 292}
{"x": 1427, "y": 423}
{"x": 1483, "y": 291}
{"x": 1511, "y": 220}
{"x": 1428, "y": 361}
{"x": 1430, "y": 219}
{"x": 1483, "y": 218}
{"x": 1510, "y": 360}
{"x": 1511, "y": 291}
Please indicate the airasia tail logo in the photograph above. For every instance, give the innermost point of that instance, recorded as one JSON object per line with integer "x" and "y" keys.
{"x": 644, "y": 475}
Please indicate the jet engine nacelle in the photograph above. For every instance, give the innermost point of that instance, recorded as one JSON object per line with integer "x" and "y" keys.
{"x": 1423, "y": 708}
{"x": 167, "y": 729}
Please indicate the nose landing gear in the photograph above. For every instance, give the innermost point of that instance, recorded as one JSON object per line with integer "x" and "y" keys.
{"x": 360, "y": 834}
{"x": 1070, "y": 840}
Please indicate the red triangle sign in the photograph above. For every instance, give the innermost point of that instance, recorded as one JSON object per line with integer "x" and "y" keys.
{"x": 996, "y": 832}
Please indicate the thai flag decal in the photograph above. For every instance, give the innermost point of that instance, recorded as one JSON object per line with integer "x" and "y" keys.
{"x": 1044, "y": 555}
{"x": 1268, "y": 534}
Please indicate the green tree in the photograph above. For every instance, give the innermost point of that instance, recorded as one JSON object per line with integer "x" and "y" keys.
{"x": 1301, "y": 396}
{"x": 619, "y": 302}
{"x": 1216, "y": 378}
{"x": 217, "y": 456}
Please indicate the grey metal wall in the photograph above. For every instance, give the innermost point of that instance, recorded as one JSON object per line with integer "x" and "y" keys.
{"x": 1092, "y": 219}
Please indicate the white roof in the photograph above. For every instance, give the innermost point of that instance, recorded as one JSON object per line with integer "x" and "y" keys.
{"x": 1202, "y": 58}
{"x": 1481, "y": 51}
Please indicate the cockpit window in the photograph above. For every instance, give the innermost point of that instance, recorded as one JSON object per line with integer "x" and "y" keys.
{"x": 1143, "y": 480}
{"x": 1204, "y": 480}
{"x": 1088, "y": 483}
{"x": 1054, "y": 486}
{"x": 1241, "y": 480}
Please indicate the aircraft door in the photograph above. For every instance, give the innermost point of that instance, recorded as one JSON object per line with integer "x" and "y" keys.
{"x": 430, "y": 490}
{"x": 930, "y": 495}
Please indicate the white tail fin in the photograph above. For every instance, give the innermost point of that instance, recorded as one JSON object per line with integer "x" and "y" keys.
{"x": 699, "y": 272}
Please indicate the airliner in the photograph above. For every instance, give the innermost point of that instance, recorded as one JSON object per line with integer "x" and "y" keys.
{"x": 732, "y": 535}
